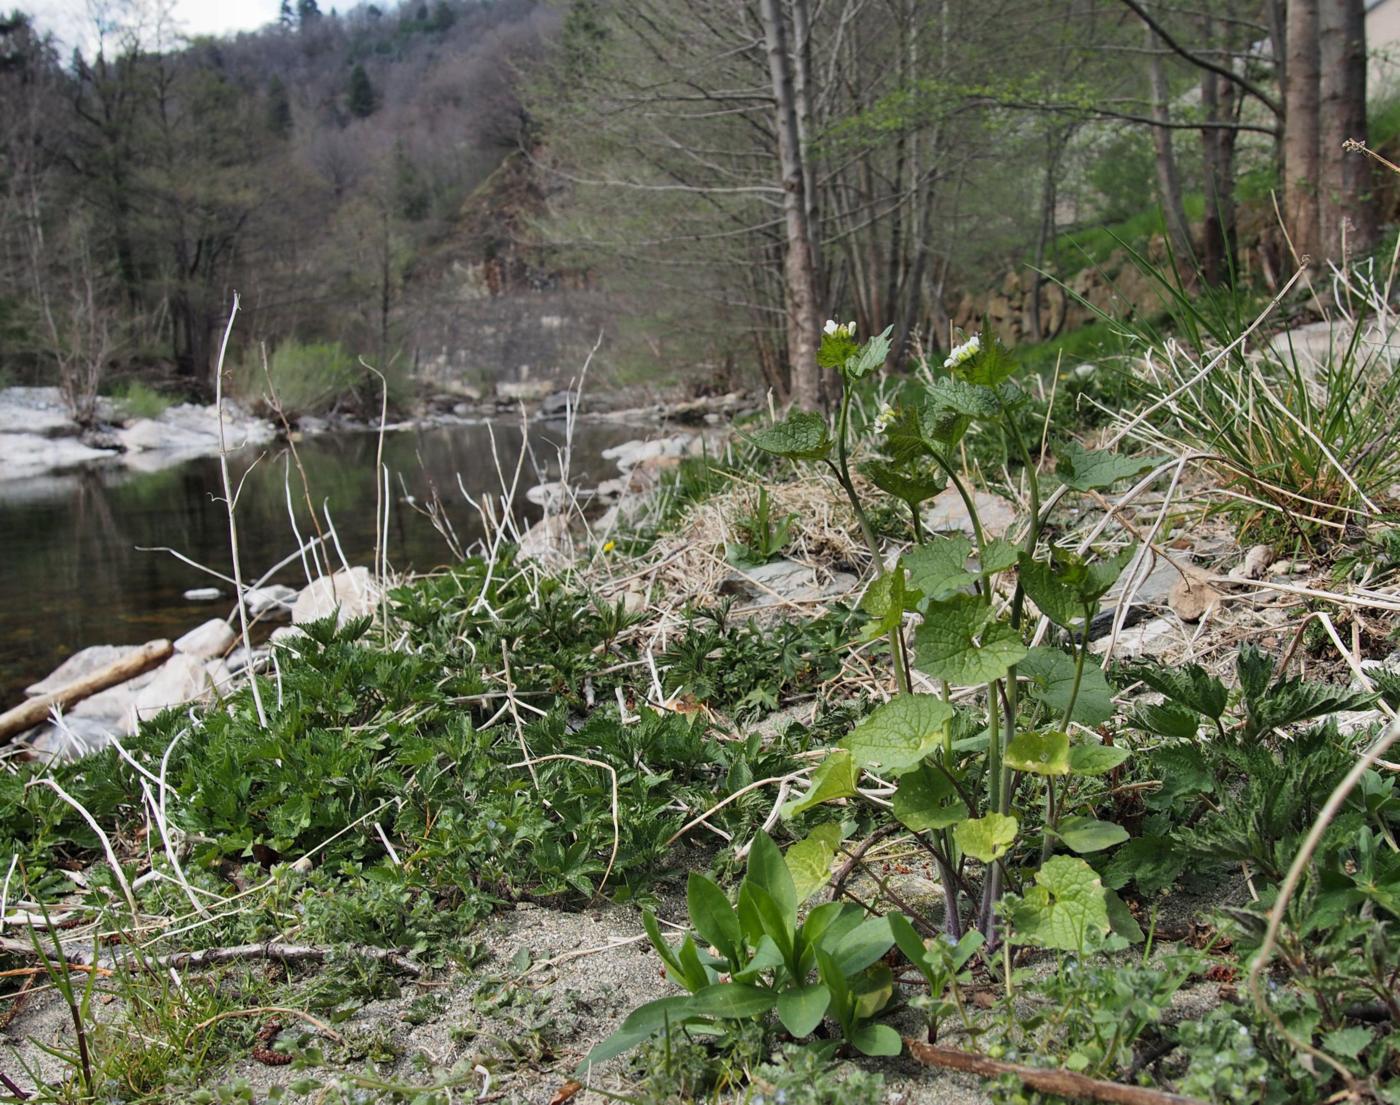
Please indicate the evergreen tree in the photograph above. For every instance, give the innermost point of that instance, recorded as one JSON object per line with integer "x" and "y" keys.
{"x": 443, "y": 17}
{"x": 308, "y": 11}
{"x": 279, "y": 109}
{"x": 286, "y": 16}
{"x": 362, "y": 98}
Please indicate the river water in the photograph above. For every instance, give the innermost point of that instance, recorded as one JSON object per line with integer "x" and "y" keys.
{"x": 72, "y": 575}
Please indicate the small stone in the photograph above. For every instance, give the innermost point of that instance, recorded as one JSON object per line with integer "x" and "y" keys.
{"x": 348, "y": 595}
{"x": 1192, "y": 597}
{"x": 1255, "y": 564}
{"x": 205, "y": 642}
{"x": 203, "y": 594}
{"x": 1151, "y": 639}
{"x": 947, "y": 513}
{"x": 274, "y": 600}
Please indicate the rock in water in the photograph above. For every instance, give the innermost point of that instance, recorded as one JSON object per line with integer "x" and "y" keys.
{"x": 348, "y": 595}
{"x": 272, "y": 601}
{"x": 203, "y": 594}
{"x": 208, "y": 641}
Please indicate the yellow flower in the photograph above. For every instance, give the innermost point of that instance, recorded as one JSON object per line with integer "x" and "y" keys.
{"x": 608, "y": 546}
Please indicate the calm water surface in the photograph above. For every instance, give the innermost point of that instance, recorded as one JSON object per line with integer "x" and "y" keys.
{"x": 71, "y": 574}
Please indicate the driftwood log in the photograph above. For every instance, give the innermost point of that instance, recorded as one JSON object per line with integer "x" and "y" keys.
{"x": 33, "y": 712}
{"x": 1064, "y": 1083}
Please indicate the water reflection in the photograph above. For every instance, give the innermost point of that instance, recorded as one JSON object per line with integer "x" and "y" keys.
{"x": 71, "y": 575}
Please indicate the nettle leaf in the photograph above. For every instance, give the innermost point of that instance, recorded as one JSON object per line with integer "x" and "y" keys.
{"x": 962, "y": 397}
{"x": 1188, "y": 685}
{"x": 1255, "y": 669}
{"x": 896, "y": 736}
{"x": 926, "y": 799}
{"x": 998, "y": 555}
{"x": 886, "y": 600}
{"x": 1051, "y": 595}
{"x": 803, "y": 435}
{"x": 809, "y": 860}
{"x": 1152, "y": 862}
{"x": 870, "y": 356}
{"x": 1041, "y": 752}
{"x": 990, "y": 365}
{"x": 1066, "y": 909}
{"x": 1087, "y": 834}
{"x": 1166, "y": 719}
{"x": 1050, "y": 675}
{"x": 987, "y": 838}
{"x": 1095, "y": 759}
{"x": 1293, "y": 701}
{"x": 959, "y": 642}
{"x": 911, "y": 484}
{"x": 834, "y": 778}
{"x": 939, "y": 568}
{"x": 1348, "y": 1042}
{"x": 942, "y": 425}
{"x": 1083, "y": 470}
{"x": 836, "y": 349}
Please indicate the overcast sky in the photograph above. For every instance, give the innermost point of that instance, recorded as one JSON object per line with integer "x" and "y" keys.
{"x": 71, "y": 21}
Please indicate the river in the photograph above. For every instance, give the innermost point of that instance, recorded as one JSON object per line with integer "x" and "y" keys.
{"x": 72, "y": 574}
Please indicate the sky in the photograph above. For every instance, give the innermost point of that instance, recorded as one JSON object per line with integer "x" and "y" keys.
{"x": 72, "y": 22}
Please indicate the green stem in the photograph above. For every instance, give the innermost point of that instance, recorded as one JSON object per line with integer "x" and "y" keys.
{"x": 843, "y": 476}
{"x": 1078, "y": 670}
{"x": 993, "y": 748}
{"x": 1051, "y": 818}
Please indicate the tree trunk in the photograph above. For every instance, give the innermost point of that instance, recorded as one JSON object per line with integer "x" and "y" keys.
{"x": 1219, "y": 100}
{"x": 1300, "y": 129}
{"x": 1168, "y": 180}
{"x": 1346, "y": 213}
{"x": 800, "y": 283}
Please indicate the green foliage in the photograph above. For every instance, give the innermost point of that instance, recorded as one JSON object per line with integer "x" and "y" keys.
{"x": 137, "y": 400}
{"x": 766, "y": 536}
{"x": 361, "y": 98}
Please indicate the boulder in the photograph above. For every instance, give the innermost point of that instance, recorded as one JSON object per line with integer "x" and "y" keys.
{"x": 946, "y": 512}
{"x": 180, "y": 680}
{"x": 273, "y": 601}
{"x": 348, "y": 595}
{"x": 24, "y": 455}
{"x": 205, "y": 642}
{"x": 557, "y": 404}
{"x": 187, "y": 428}
{"x": 630, "y": 454}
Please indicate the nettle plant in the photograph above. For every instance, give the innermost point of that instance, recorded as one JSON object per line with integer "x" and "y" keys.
{"x": 1001, "y": 796}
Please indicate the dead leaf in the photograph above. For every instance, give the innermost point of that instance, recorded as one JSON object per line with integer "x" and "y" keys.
{"x": 565, "y": 1092}
{"x": 1192, "y": 596}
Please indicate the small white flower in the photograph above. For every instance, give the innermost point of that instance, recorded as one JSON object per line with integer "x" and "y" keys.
{"x": 834, "y": 329}
{"x": 851, "y": 329}
{"x": 885, "y": 418}
{"x": 965, "y": 352}
{"x": 831, "y": 327}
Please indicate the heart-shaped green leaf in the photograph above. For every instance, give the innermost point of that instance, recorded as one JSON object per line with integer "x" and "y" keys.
{"x": 886, "y": 600}
{"x": 960, "y": 643}
{"x": 1083, "y": 470}
{"x": 809, "y": 860}
{"x": 897, "y": 735}
{"x": 939, "y": 568}
{"x": 1042, "y": 752}
{"x": 803, "y": 435}
{"x": 1087, "y": 834}
{"x": 1050, "y": 676}
{"x": 987, "y": 838}
{"x": 1095, "y": 759}
{"x": 1066, "y": 909}
{"x": 926, "y": 799}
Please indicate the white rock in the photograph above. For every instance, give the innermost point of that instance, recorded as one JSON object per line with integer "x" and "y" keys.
{"x": 179, "y": 680}
{"x": 70, "y": 739}
{"x": 112, "y": 707}
{"x": 33, "y": 411}
{"x": 1150, "y": 639}
{"x": 80, "y": 665}
{"x": 194, "y": 430}
{"x": 632, "y": 453}
{"x": 549, "y": 542}
{"x": 285, "y": 635}
{"x": 205, "y": 642}
{"x": 947, "y": 512}
{"x": 551, "y": 496}
{"x": 272, "y": 601}
{"x": 25, "y": 455}
{"x": 202, "y": 594}
{"x": 354, "y": 594}
{"x": 220, "y": 674}
{"x": 777, "y": 581}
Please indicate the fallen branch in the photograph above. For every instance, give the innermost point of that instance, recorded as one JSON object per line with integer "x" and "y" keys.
{"x": 1064, "y": 1083}
{"x": 32, "y": 713}
{"x": 82, "y": 958}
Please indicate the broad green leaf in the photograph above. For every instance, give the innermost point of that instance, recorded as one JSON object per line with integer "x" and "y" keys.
{"x": 926, "y": 799}
{"x": 803, "y": 435}
{"x": 942, "y": 426}
{"x": 863, "y": 945}
{"x": 759, "y": 912}
{"x": 910, "y": 942}
{"x": 1100, "y": 575}
{"x": 1050, "y": 674}
{"x": 836, "y": 983}
{"x": 992, "y": 364}
{"x": 664, "y": 950}
{"x": 1166, "y": 720}
{"x": 896, "y": 736}
{"x": 809, "y": 860}
{"x": 769, "y": 872}
{"x": 834, "y": 778}
{"x": 1188, "y": 685}
{"x": 1095, "y": 759}
{"x": 1066, "y": 909}
{"x": 713, "y": 917}
{"x": 801, "y": 1009}
{"x": 986, "y": 838}
{"x": 732, "y": 1000}
{"x": 939, "y": 568}
{"x": 641, "y": 1024}
{"x": 1153, "y": 862}
{"x": 886, "y": 600}
{"x": 1121, "y": 919}
{"x": 998, "y": 555}
{"x": 871, "y": 991}
{"x": 870, "y": 356}
{"x": 876, "y": 1040}
{"x": 1348, "y": 1042}
{"x": 1087, "y": 834}
{"x": 1083, "y": 470}
{"x": 1040, "y": 751}
{"x": 1052, "y": 596}
{"x": 954, "y": 394}
{"x": 960, "y": 643}
{"x": 906, "y": 482}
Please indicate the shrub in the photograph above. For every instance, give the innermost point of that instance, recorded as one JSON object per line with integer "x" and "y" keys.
{"x": 304, "y": 377}
{"x": 137, "y": 400}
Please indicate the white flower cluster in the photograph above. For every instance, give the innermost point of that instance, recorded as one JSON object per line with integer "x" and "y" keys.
{"x": 839, "y": 330}
{"x": 965, "y": 352}
{"x": 885, "y": 418}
